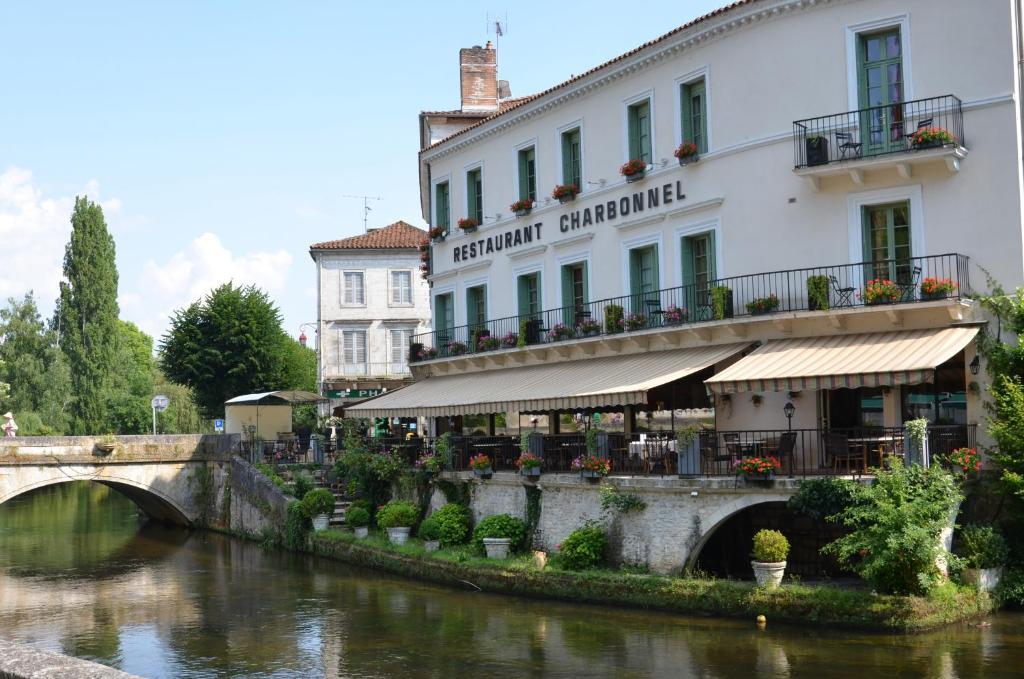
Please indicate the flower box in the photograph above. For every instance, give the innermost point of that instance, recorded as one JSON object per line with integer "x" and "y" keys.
{"x": 931, "y": 137}
{"x": 763, "y": 305}
{"x": 521, "y": 208}
{"x": 687, "y": 153}
{"x": 564, "y": 193}
{"x": 530, "y": 471}
{"x": 468, "y": 225}
{"x": 634, "y": 170}
{"x": 484, "y": 473}
{"x": 937, "y": 288}
{"x": 880, "y": 291}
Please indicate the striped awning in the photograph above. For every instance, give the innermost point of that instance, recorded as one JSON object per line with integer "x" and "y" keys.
{"x": 568, "y": 385}
{"x": 864, "y": 360}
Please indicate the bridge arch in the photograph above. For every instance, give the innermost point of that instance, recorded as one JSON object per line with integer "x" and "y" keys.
{"x": 722, "y": 513}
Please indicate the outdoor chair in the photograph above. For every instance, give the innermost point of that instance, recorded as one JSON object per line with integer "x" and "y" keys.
{"x": 655, "y": 314}
{"x": 848, "y": 148}
{"x": 921, "y": 124}
{"x": 784, "y": 453}
{"x": 844, "y": 296}
{"x": 908, "y": 290}
{"x": 711, "y": 454}
{"x": 839, "y": 449}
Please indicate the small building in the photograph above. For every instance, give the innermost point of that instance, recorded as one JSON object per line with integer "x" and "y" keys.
{"x": 267, "y": 415}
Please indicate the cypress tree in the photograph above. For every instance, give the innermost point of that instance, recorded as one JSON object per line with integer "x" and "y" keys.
{"x": 86, "y": 315}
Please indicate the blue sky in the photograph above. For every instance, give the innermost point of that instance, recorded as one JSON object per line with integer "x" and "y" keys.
{"x": 220, "y": 137}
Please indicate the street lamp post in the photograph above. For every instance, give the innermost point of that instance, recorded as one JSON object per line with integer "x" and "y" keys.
{"x": 789, "y": 409}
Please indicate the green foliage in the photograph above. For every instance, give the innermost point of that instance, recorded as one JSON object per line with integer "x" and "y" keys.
{"x": 302, "y": 483}
{"x": 203, "y": 492}
{"x": 86, "y": 316}
{"x": 917, "y": 430}
{"x": 687, "y": 435}
{"x": 370, "y": 474}
{"x": 130, "y": 388}
{"x": 584, "y": 548}
{"x": 317, "y": 501}
{"x": 894, "y": 528}
{"x": 613, "y": 318}
{"x": 590, "y": 438}
{"x": 453, "y": 524}
{"x": 770, "y": 546}
{"x": 357, "y": 517}
{"x": 824, "y": 497}
{"x": 297, "y": 526}
{"x": 231, "y": 343}
{"x": 397, "y": 514}
{"x": 182, "y": 415}
{"x": 720, "y": 298}
{"x": 533, "y": 494}
{"x": 982, "y": 547}
{"x": 430, "y": 529}
{"x": 500, "y": 526}
{"x": 524, "y": 442}
{"x": 1011, "y": 588}
{"x": 269, "y": 472}
{"x": 817, "y": 291}
{"x": 615, "y": 501}
{"x": 443, "y": 449}
{"x": 521, "y": 339}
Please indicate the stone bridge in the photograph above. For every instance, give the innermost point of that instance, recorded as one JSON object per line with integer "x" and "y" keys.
{"x": 190, "y": 480}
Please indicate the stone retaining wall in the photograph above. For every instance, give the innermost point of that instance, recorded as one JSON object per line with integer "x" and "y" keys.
{"x": 37, "y": 449}
{"x": 18, "y": 661}
{"x": 251, "y": 505}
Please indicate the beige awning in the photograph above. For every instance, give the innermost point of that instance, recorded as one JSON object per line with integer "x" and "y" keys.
{"x": 567, "y": 385}
{"x": 865, "y": 360}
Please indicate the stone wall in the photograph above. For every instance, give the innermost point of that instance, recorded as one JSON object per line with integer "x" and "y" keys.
{"x": 250, "y": 504}
{"x": 24, "y": 662}
{"x": 126, "y": 448}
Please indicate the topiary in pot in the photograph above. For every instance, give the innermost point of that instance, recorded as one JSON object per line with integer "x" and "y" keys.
{"x": 770, "y": 551}
{"x": 498, "y": 535}
{"x": 397, "y": 517}
{"x": 613, "y": 318}
{"x": 430, "y": 533}
{"x": 318, "y": 505}
{"x": 359, "y": 519}
{"x": 817, "y": 293}
{"x": 453, "y": 524}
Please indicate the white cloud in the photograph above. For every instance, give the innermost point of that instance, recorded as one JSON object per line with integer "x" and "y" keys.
{"x": 191, "y": 273}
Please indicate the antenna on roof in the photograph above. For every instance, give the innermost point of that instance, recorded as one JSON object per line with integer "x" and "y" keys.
{"x": 499, "y": 26}
{"x": 366, "y": 207}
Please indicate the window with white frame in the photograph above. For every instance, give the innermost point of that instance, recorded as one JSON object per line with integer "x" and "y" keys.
{"x": 400, "y": 338}
{"x": 353, "y": 351}
{"x": 352, "y": 292}
{"x": 401, "y": 288}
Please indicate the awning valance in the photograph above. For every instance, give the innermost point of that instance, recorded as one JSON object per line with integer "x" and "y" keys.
{"x": 864, "y": 360}
{"x": 568, "y": 385}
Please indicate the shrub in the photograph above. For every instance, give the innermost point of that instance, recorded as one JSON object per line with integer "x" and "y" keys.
{"x": 1011, "y": 588}
{"x": 268, "y": 471}
{"x": 817, "y": 292}
{"x": 894, "y": 528}
{"x": 770, "y": 546}
{"x": 397, "y": 514}
{"x": 453, "y": 524}
{"x": 296, "y": 526}
{"x": 365, "y": 504}
{"x": 982, "y": 547}
{"x": 500, "y": 526}
{"x": 823, "y": 498}
{"x": 584, "y": 548}
{"x": 430, "y": 529}
{"x": 357, "y": 517}
{"x": 318, "y": 501}
{"x": 613, "y": 318}
{"x": 302, "y": 484}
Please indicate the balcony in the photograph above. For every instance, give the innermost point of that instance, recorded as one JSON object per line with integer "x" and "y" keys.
{"x": 896, "y": 136}
{"x": 884, "y": 284}
{"x": 387, "y": 370}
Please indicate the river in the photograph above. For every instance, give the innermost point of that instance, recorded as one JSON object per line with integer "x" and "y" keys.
{"x": 81, "y": 572}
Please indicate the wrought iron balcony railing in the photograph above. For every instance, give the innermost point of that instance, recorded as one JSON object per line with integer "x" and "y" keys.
{"x": 893, "y": 281}
{"x": 878, "y": 131}
{"x": 388, "y": 369}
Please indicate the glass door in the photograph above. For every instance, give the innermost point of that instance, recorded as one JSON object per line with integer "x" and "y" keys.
{"x": 881, "y": 92}
{"x": 887, "y": 243}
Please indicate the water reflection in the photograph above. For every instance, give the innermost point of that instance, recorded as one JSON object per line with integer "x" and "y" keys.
{"x": 78, "y": 573}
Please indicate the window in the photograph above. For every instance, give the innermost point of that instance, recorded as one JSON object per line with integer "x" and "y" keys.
{"x": 528, "y": 174}
{"x": 444, "y": 316}
{"x": 476, "y": 306}
{"x": 887, "y": 242}
{"x": 400, "y": 338}
{"x": 475, "y": 195}
{"x": 574, "y": 293}
{"x": 354, "y": 352}
{"x": 401, "y": 287}
{"x": 694, "y": 108}
{"x": 698, "y": 267}
{"x": 639, "y": 119}
{"x": 352, "y": 289}
{"x": 643, "y": 270}
{"x": 572, "y": 164}
{"x": 528, "y": 289}
{"x": 880, "y": 90}
{"x": 442, "y": 211}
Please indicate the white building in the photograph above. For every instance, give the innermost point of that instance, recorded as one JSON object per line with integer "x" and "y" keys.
{"x": 811, "y": 121}
{"x": 371, "y": 299}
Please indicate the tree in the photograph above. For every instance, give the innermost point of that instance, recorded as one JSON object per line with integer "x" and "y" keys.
{"x": 182, "y": 416}
{"x": 86, "y": 316}
{"x": 227, "y": 344}
{"x": 131, "y": 382}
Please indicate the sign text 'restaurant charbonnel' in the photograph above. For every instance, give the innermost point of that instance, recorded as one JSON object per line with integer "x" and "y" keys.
{"x": 607, "y": 211}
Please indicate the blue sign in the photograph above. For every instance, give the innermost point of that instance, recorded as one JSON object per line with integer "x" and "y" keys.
{"x": 218, "y": 426}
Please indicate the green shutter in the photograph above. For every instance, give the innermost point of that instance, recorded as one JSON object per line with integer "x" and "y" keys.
{"x": 640, "y": 131}
{"x": 523, "y": 294}
{"x": 586, "y": 284}
{"x": 634, "y": 272}
{"x": 693, "y": 107}
{"x": 471, "y": 193}
{"x": 686, "y": 261}
{"x": 526, "y": 190}
{"x": 567, "y": 285}
{"x": 712, "y": 257}
{"x": 441, "y": 206}
{"x": 655, "y": 268}
{"x": 567, "y": 157}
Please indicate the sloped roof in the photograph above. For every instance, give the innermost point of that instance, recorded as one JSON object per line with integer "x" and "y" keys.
{"x": 397, "y": 236}
{"x": 514, "y": 104}
{"x": 503, "y": 105}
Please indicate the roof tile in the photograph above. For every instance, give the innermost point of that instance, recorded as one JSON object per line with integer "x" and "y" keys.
{"x": 399, "y": 235}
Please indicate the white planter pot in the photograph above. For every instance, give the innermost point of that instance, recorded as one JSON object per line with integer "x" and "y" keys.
{"x": 497, "y": 548}
{"x": 321, "y": 522}
{"x": 398, "y": 536}
{"x": 983, "y": 579}
{"x": 769, "y": 575}
{"x": 431, "y": 545}
{"x": 361, "y": 531}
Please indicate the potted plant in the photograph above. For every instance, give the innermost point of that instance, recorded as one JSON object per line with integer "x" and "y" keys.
{"x": 560, "y": 332}
{"x": 613, "y": 318}
{"x": 965, "y": 460}
{"x": 397, "y": 517}
{"x": 488, "y": 343}
{"x": 481, "y": 466}
{"x": 563, "y": 193}
{"x": 510, "y": 340}
{"x": 915, "y": 441}
{"x": 721, "y": 302}
{"x": 427, "y": 354}
{"x": 687, "y": 153}
{"x": 430, "y": 533}
{"x": 498, "y": 535}
{"x": 521, "y": 207}
{"x": 633, "y": 170}
{"x": 634, "y": 322}
{"x": 106, "y": 444}
{"x": 770, "y": 551}
{"x": 760, "y": 468}
{"x": 984, "y": 552}
{"x": 437, "y": 234}
{"x": 468, "y": 224}
{"x": 591, "y": 467}
{"x": 359, "y": 518}
{"x": 816, "y": 147}
{"x": 424, "y": 270}
{"x": 529, "y": 465}
{"x": 588, "y": 327}
{"x": 457, "y": 348}
{"x": 688, "y": 448}
{"x": 937, "y": 288}
{"x": 817, "y": 293}
{"x": 428, "y": 464}
{"x": 319, "y": 503}
{"x": 674, "y": 315}
{"x": 931, "y": 137}
{"x": 763, "y": 305}
{"x": 880, "y": 291}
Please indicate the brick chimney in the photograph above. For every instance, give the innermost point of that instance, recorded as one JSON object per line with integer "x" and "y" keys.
{"x": 478, "y": 68}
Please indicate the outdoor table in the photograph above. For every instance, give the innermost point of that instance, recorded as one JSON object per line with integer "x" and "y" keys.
{"x": 881, "y": 442}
